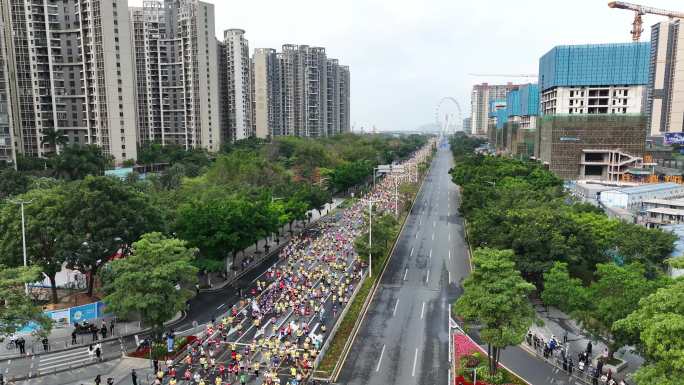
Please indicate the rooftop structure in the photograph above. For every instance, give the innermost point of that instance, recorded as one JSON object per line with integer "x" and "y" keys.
{"x": 631, "y": 198}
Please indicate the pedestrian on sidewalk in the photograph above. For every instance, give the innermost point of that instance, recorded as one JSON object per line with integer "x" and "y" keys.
{"x": 46, "y": 344}
{"x": 73, "y": 337}
{"x": 98, "y": 352}
{"x": 21, "y": 342}
{"x": 110, "y": 381}
{"x": 571, "y": 366}
{"x": 134, "y": 377}
{"x": 589, "y": 349}
{"x": 98, "y": 379}
{"x": 565, "y": 338}
{"x": 94, "y": 333}
{"x": 103, "y": 330}
{"x": 111, "y": 327}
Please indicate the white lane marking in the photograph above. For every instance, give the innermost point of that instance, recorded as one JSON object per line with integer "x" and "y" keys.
{"x": 449, "y": 278}
{"x": 420, "y": 222}
{"x": 411, "y": 252}
{"x": 395, "y": 308}
{"x": 377, "y": 368}
{"x": 449, "y": 236}
{"x": 430, "y": 253}
{"x": 416, "y": 235}
{"x": 415, "y": 359}
{"x": 222, "y": 305}
{"x": 450, "y": 255}
{"x": 405, "y": 273}
{"x": 427, "y": 279}
{"x": 434, "y": 223}
{"x": 422, "y": 311}
{"x": 433, "y": 236}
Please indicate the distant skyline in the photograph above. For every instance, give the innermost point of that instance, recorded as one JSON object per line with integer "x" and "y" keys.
{"x": 404, "y": 56}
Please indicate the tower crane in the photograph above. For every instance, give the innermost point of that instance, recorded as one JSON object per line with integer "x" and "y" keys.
{"x": 640, "y": 10}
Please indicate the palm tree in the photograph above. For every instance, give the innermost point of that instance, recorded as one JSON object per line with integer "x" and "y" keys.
{"x": 53, "y": 138}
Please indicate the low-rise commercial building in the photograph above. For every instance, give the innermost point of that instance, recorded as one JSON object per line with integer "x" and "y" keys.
{"x": 632, "y": 198}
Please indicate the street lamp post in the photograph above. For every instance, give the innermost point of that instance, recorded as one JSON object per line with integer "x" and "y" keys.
{"x": 23, "y": 236}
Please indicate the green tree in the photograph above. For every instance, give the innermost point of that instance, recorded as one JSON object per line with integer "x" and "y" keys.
{"x": 45, "y": 229}
{"x": 152, "y": 281}
{"x": 16, "y": 308}
{"x": 53, "y": 139}
{"x": 13, "y": 183}
{"x": 218, "y": 226}
{"x": 562, "y": 291}
{"x": 495, "y": 296}
{"x": 105, "y": 216}
{"x": 384, "y": 231}
{"x": 76, "y": 162}
{"x": 614, "y": 295}
{"x": 657, "y": 326}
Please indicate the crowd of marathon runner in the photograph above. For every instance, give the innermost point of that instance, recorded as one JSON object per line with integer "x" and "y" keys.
{"x": 275, "y": 334}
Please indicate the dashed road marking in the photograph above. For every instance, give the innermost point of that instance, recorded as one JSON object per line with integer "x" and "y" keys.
{"x": 377, "y": 368}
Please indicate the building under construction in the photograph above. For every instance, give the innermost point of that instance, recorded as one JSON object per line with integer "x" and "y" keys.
{"x": 602, "y": 146}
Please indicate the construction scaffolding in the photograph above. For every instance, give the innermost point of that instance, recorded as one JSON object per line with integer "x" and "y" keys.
{"x": 563, "y": 139}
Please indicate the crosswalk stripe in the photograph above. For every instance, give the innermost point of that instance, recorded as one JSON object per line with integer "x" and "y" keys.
{"x": 59, "y": 357}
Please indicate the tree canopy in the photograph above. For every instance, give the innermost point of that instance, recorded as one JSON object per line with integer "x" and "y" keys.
{"x": 105, "y": 216}
{"x": 153, "y": 281}
{"x": 495, "y": 296}
{"x": 16, "y": 308}
{"x": 657, "y": 325}
{"x": 46, "y": 224}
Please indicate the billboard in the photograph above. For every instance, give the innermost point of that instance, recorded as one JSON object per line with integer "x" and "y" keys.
{"x": 674, "y": 137}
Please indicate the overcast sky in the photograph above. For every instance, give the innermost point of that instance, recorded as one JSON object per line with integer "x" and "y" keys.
{"x": 405, "y": 55}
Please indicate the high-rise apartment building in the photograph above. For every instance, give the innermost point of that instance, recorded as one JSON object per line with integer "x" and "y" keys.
{"x": 7, "y": 150}
{"x": 665, "y": 106}
{"x": 333, "y": 98}
{"x": 267, "y": 98}
{"x": 481, "y": 97}
{"x": 344, "y": 87}
{"x": 68, "y": 67}
{"x": 176, "y": 73}
{"x": 300, "y": 92}
{"x": 237, "y": 102}
{"x": 305, "y": 87}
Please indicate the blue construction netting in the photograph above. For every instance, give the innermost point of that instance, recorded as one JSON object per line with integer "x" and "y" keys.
{"x": 595, "y": 65}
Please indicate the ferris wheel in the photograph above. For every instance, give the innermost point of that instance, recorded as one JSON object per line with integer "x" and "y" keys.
{"x": 448, "y": 115}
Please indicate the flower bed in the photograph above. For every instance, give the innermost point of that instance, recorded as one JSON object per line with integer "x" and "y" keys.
{"x": 469, "y": 357}
{"x": 159, "y": 349}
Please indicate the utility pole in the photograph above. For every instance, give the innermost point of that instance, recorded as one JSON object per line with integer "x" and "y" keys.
{"x": 23, "y": 236}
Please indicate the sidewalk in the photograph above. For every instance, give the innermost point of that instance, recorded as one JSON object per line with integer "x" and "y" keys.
{"x": 559, "y": 324}
{"x": 60, "y": 338}
{"x": 254, "y": 256}
{"x": 119, "y": 370}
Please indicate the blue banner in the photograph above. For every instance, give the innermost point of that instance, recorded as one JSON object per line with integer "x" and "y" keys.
{"x": 83, "y": 313}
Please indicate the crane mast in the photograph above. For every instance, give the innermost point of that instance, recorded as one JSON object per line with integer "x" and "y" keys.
{"x": 640, "y": 10}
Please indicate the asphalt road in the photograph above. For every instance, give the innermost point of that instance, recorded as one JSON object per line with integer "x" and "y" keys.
{"x": 404, "y": 338}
